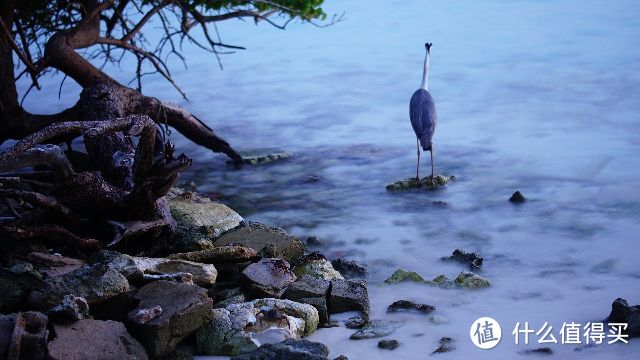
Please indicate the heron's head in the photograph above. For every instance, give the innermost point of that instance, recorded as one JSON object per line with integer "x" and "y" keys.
{"x": 428, "y": 46}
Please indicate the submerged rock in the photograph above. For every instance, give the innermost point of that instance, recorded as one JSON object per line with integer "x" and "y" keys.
{"x": 540, "y": 351}
{"x": 318, "y": 268}
{"x": 425, "y": 183}
{"x": 94, "y": 339}
{"x": 446, "y": 345}
{"x": 403, "y": 275}
{"x": 268, "y": 277}
{"x": 349, "y": 295}
{"x": 376, "y": 329}
{"x": 290, "y": 349}
{"x": 185, "y": 308}
{"x": 349, "y": 269}
{"x": 240, "y": 328}
{"x": 405, "y": 305}
{"x": 473, "y": 260}
{"x": 517, "y": 197}
{"x": 389, "y": 344}
{"x": 199, "y": 220}
{"x": 621, "y": 312}
{"x": 257, "y": 236}
{"x": 141, "y": 270}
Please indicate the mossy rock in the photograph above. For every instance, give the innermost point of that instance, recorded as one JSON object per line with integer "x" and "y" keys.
{"x": 262, "y": 156}
{"x": 470, "y": 280}
{"x": 403, "y": 275}
{"x": 426, "y": 183}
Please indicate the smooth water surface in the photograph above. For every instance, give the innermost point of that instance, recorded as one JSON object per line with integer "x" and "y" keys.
{"x": 537, "y": 96}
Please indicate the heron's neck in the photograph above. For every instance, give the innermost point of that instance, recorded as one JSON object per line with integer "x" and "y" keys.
{"x": 425, "y": 75}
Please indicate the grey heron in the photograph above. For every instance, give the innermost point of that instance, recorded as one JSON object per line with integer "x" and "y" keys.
{"x": 422, "y": 112}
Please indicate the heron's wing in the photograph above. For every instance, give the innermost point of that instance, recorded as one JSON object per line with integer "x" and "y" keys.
{"x": 422, "y": 112}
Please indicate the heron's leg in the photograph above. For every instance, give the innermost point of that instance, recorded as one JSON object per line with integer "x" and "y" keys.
{"x": 432, "y": 172}
{"x": 418, "y": 164}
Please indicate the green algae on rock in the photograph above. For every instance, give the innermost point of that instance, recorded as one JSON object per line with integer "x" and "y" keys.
{"x": 403, "y": 275}
{"x": 426, "y": 183}
{"x": 262, "y": 156}
{"x": 465, "y": 279}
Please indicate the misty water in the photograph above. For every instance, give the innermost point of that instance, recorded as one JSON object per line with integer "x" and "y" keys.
{"x": 537, "y": 96}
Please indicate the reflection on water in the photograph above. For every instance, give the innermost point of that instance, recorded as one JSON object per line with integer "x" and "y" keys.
{"x": 541, "y": 97}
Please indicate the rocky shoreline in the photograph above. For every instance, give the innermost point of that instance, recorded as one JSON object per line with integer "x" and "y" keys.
{"x": 220, "y": 286}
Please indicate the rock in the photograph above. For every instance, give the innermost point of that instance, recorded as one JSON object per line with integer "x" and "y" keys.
{"x": 439, "y": 320}
{"x": 473, "y": 260}
{"x": 341, "y": 357}
{"x": 7, "y": 323}
{"x": 142, "y": 270}
{"x": 97, "y": 283}
{"x": 289, "y": 349}
{"x": 53, "y": 265}
{"x": 376, "y": 329}
{"x": 320, "y": 269}
{"x": 183, "y": 351}
{"x": 355, "y": 322}
{"x": 405, "y": 305}
{"x": 268, "y": 277}
{"x": 14, "y": 289}
{"x": 470, "y": 280}
{"x": 28, "y": 340}
{"x": 313, "y": 241}
{"x": 219, "y": 254}
{"x": 517, "y": 198}
{"x": 312, "y": 291}
{"x": 94, "y": 339}
{"x": 425, "y": 183}
{"x": 388, "y": 344}
{"x": 199, "y": 219}
{"x": 185, "y": 308}
{"x": 446, "y": 345}
{"x": 403, "y": 275}
{"x": 349, "y": 295}
{"x": 541, "y": 351}
{"x": 143, "y": 316}
{"x": 72, "y": 308}
{"x": 621, "y": 312}
{"x": 260, "y": 157}
{"x": 349, "y": 268}
{"x": 240, "y": 328}
{"x": 257, "y": 236}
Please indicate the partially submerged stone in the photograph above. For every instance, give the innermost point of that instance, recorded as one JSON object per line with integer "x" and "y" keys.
{"x": 403, "y": 275}
{"x": 538, "y": 351}
{"x": 199, "y": 220}
{"x": 446, "y": 345}
{"x": 289, "y": 349}
{"x": 185, "y": 308}
{"x": 349, "y": 295}
{"x": 517, "y": 198}
{"x": 320, "y": 269}
{"x": 262, "y": 156}
{"x": 144, "y": 269}
{"x": 268, "y": 277}
{"x": 240, "y": 328}
{"x": 350, "y": 269}
{"x": 257, "y": 236}
{"x": 388, "y": 344}
{"x": 470, "y": 280}
{"x": 405, "y": 305}
{"x": 622, "y": 312}
{"x": 376, "y": 329}
{"x": 218, "y": 254}
{"x": 425, "y": 183}
{"x": 94, "y": 339}
{"x": 473, "y": 260}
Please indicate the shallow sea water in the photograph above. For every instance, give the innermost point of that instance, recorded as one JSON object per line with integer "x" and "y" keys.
{"x": 537, "y": 96}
